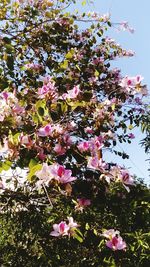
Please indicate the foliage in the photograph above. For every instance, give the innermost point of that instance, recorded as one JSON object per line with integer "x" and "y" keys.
{"x": 145, "y": 125}
{"x": 25, "y": 235}
{"x": 61, "y": 106}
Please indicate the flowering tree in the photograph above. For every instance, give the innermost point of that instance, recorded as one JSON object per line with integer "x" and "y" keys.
{"x": 61, "y": 106}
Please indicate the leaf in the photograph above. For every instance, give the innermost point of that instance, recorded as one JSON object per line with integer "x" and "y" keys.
{"x": 32, "y": 163}
{"x": 79, "y": 238}
{"x": 40, "y": 103}
{"x": 9, "y": 48}
{"x": 113, "y": 107}
{"x": 16, "y": 138}
{"x": 5, "y": 166}
{"x": 10, "y": 62}
{"x": 96, "y": 73}
{"x": 33, "y": 170}
{"x": 77, "y": 66}
{"x": 63, "y": 106}
{"x": 7, "y": 40}
{"x": 70, "y": 54}
{"x": 76, "y": 104}
{"x": 87, "y": 227}
{"x": 78, "y": 235}
{"x": 84, "y": 3}
{"x": 130, "y": 127}
{"x": 41, "y": 111}
{"x": 64, "y": 65}
{"x": 95, "y": 232}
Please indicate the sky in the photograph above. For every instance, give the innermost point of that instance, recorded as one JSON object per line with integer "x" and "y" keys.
{"x": 137, "y": 13}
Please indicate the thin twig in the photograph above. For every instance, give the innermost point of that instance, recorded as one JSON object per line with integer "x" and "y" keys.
{"x": 47, "y": 195}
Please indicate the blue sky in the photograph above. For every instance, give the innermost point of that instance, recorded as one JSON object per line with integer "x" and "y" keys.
{"x": 137, "y": 13}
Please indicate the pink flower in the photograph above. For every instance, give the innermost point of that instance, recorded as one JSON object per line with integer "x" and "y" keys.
{"x": 139, "y": 78}
{"x": 43, "y": 90}
{"x": 45, "y": 131}
{"x": 26, "y": 140}
{"x": 71, "y": 94}
{"x": 5, "y": 95}
{"x": 59, "y": 149}
{"x": 33, "y": 66}
{"x": 128, "y": 82}
{"x": 18, "y": 109}
{"x": 60, "y": 229}
{"x": 63, "y": 228}
{"x": 119, "y": 174}
{"x": 88, "y": 130}
{"x": 95, "y": 163}
{"x": 125, "y": 26}
{"x": 116, "y": 243}
{"x": 131, "y": 136}
{"x": 83, "y": 146}
{"x": 133, "y": 85}
{"x": 44, "y": 175}
{"x": 72, "y": 225}
{"x": 126, "y": 178}
{"x": 67, "y": 139}
{"x": 58, "y": 129}
{"x": 98, "y": 143}
{"x": 82, "y": 203}
{"x": 61, "y": 174}
{"x": 41, "y": 155}
{"x": 110, "y": 233}
{"x": 128, "y": 53}
{"x": 48, "y": 88}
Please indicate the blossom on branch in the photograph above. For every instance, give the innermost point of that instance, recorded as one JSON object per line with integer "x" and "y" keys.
{"x": 63, "y": 228}
{"x": 115, "y": 241}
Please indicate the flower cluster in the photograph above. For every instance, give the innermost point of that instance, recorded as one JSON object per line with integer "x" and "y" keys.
{"x": 48, "y": 90}
{"x": 82, "y": 203}
{"x": 115, "y": 241}
{"x": 132, "y": 85}
{"x": 119, "y": 174}
{"x": 54, "y": 172}
{"x": 71, "y": 94}
{"x": 67, "y": 107}
{"x": 64, "y": 228}
{"x": 9, "y": 105}
{"x": 33, "y": 66}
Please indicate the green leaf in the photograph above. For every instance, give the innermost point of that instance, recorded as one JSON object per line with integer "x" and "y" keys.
{"x": 16, "y": 138}
{"x": 64, "y": 64}
{"x": 5, "y": 166}
{"x": 41, "y": 111}
{"x": 10, "y": 62}
{"x": 87, "y": 227}
{"x": 95, "y": 232}
{"x": 9, "y": 48}
{"x": 84, "y": 3}
{"x": 96, "y": 73}
{"x": 63, "y": 107}
{"x": 76, "y": 104}
{"x": 32, "y": 163}
{"x": 79, "y": 238}
{"x": 70, "y": 54}
{"x": 77, "y": 66}
{"x": 7, "y": 40}
{"x": 33, "y": 170}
